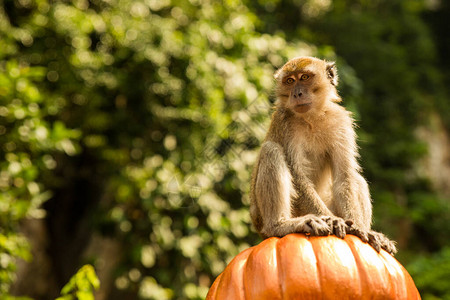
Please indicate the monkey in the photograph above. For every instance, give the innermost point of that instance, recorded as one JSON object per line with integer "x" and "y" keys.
{"x": 307, "y": 177}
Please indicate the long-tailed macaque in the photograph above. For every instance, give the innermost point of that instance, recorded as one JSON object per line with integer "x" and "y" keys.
{"x": 307, "y": 177}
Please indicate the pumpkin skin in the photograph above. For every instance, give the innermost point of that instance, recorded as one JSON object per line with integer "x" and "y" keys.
{"x": 302, "y": 267}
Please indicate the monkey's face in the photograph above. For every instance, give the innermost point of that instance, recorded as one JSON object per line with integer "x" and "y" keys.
{"x": 304, "y": 84}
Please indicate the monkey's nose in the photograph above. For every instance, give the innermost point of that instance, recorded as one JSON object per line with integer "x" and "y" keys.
{"x": 297, "y": 92}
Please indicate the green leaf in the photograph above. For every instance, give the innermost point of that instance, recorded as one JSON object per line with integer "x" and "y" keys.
{"x": 83, "y": 283}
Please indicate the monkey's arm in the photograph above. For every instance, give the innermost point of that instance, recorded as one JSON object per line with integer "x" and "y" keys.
{"x": 351, "y": 196}
{"x": 272, "y": 191}
{"x": 307, "y": 200}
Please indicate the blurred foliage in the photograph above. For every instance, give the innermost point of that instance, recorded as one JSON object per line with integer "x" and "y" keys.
{"x": 143, "y": 119}
{"x": 431, "y": 275}
{"x": 82, "y": 285}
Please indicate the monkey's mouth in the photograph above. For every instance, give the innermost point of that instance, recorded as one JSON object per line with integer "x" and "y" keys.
{"x": 302, "y": 107}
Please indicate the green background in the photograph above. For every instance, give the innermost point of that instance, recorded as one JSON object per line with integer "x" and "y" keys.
{"x": 128, "y": 131}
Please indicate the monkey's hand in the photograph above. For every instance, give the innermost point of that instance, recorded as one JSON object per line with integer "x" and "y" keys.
{"x": 314, "y": 225}
{"x": 338, "y": 225}
{"x": 376, "y": 239}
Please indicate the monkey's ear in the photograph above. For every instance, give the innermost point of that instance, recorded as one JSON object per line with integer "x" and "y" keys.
{"x": 277, "y": 74}
{"x": 332, "y": 73}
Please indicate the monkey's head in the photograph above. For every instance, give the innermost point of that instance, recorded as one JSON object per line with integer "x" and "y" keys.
{"x": 305, "y": 84}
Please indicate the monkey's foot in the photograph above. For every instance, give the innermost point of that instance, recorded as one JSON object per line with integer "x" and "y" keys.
{"x": 338, "y": 225}
{"x": 376, "y": 239}
{"x": 314, "y": 225}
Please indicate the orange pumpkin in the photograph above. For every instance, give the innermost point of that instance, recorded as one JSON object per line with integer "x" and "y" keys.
{"x": 302, "y": 267}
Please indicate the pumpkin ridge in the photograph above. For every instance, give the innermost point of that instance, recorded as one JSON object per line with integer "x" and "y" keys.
{"x": 413, "y": 292}
{"x": 244, "y": 264}
{"x": 229, "y": 281}
{"x": 336, "y": 267}
{"x": 213, "y": 290}
{"x": 358, "y": 268}
{"x": 244, "y": 271}
{"x": 396, "y": 289}
{"x": 393, "y": 290}
{"x": 262, "y": 272}
{"x": 317, "y": 261}
{"x": 361, "y": 271}
{"x": 299, "y": 274}
{"x": 278, "y": 267}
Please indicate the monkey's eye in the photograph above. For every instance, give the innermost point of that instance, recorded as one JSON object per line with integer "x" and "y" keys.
{"x": 304, "y": 77}
{"x": 290, "y": 80}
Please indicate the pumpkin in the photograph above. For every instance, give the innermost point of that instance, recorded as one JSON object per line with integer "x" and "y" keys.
{"x": 298, "y": 266}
